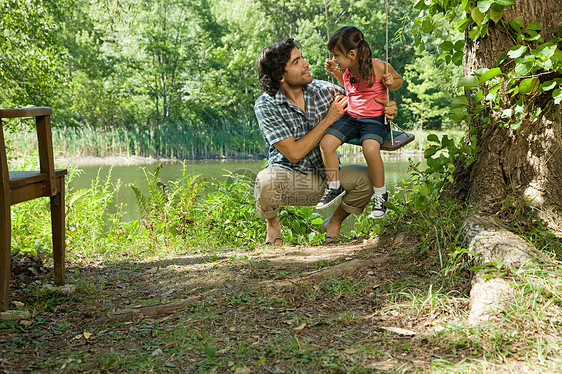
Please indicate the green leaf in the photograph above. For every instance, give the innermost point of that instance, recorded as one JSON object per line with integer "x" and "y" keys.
{"x": 446, "y": 45}
{"x": 433, "y": 138}
{"x": 548, "y": 85}
{"x": 523, "y": 68}
{"x": 484, "y": 5}
{"x": 463, "y": 24}
{"x": 459, "y": 45}
{"x": 469, "y": 82}
{"x": 507, "y": 113}
{"x": 457, "y": 58}
{"x": 489, "y": 75}
{"x": 517, "y": 51}
{"x": 516, "y": 24}
{"x": 427, "y": 26}
{"x": 557, "y": 95}
{"x": 504, "y": 2}
{"x": 495, "y": 15}
{"x": 534, "y": 25}
{"x": 529, "y": 85}
{"x": 477, "y": 16}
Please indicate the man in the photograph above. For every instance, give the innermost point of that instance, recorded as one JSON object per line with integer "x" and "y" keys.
{"x": 293, "y": 113}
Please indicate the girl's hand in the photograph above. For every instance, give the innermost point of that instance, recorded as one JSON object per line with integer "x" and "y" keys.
{"x": 390, "y": 108}
{"x": 330, "y": 66}
{"x": 388, "y": 80}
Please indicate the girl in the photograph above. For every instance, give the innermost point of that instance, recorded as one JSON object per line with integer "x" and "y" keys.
{"x": 366, "y": 82}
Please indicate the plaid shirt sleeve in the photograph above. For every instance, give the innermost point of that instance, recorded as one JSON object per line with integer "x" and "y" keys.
{"x": 271, "y": 120}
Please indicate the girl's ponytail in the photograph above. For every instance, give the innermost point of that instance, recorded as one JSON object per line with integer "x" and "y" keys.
{"x": 365, "y": 61}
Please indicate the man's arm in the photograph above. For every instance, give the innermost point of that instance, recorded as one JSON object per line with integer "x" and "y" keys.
{"x": 296, "y": 150}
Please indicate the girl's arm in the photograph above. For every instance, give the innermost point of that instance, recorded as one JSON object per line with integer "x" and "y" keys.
{"x": 392, "y": 80}
{"x": 331, "y": 67}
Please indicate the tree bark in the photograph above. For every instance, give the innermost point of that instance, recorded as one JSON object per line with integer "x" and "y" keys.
{"x": 524, "y": 161}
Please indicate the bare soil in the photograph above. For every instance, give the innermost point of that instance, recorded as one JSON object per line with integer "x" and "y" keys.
{"x": 324, "y": 309}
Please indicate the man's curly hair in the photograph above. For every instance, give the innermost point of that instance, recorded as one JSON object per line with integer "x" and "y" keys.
{"x": 271, "y": 64}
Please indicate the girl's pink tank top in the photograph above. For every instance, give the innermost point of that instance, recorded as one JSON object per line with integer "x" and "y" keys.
{"x": 361, "y": 103}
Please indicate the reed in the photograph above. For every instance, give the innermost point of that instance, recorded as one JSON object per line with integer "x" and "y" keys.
{"x": 202, "y": 139}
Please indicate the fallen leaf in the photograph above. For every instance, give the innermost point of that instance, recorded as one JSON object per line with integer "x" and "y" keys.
{"x": 25, "y": 323}
{"x": 19, "y": 304}
{"x": 399, "y": 331}
{"x": 299, "y": 328}
{"x": 351, "y": 351}
{"x": 232, "y": 328}
{"x": 242, "y": 370}
{"x": 87, "y": 335}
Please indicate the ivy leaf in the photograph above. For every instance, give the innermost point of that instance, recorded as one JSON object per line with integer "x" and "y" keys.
{"x": 529, "y": 85}
{"x": 504, "y": 2}
{"x": 548, "y": 85}
{"x": 477, "y": 16}
{"x": 490, "y": 74}
{"x": 557, "y": 95}
{"x": 516, "y": 24}
{"x": 484, "y": 5}
{"x": 534, "y": 25}
{"x": 495, "y": 15}
{"x": 469, "y": 82}
{"x": 517, "y": 51}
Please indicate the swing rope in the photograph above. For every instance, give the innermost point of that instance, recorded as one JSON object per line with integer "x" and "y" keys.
{"x": 328, "y": 36}
{"x": 386, "y": 121}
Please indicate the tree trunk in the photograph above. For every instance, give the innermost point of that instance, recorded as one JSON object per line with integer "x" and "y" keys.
{"x": 525, "y": 162}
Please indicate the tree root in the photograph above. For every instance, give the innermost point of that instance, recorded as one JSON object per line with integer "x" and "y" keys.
{"x": 492, "y": 243}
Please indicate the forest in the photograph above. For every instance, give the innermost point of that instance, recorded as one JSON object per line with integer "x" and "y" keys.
{"x": 178, "y": 79}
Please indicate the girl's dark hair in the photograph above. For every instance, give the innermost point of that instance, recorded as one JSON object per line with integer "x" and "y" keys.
{"x": 271, "y": 64}
{"x": 347, "y": 38}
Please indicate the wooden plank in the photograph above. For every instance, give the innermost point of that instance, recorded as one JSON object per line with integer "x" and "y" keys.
{"x": 28, "y": 192}
{"x": 399, "y": 141}
{"x": 5, "y": 226}
{"x": 46, "y": 157}
{"x": 26, "y": 112}
{"x": 59, "y": 231}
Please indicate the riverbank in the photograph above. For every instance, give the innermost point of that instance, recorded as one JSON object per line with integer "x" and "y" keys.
{"x": 122, "y": 160}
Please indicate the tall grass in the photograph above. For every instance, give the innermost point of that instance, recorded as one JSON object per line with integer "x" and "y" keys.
{"x": 218, "y": 138}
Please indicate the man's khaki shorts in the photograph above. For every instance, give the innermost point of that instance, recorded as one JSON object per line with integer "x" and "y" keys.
{"x": 277, "y": 186}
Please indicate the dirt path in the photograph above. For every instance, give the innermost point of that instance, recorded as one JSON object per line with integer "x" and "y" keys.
{"x": 275, "y": 310}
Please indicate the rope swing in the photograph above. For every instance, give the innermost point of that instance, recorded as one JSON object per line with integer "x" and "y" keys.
{"x": 396, "y": 139}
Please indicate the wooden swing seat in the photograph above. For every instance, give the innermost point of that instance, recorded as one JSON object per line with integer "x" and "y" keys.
{"x": 401, "y": 138}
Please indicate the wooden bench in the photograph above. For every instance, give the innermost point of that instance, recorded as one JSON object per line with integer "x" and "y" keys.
{"x": 20, "y": 186}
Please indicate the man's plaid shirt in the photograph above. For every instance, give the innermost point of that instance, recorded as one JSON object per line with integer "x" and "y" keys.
{"x": 280, "y": 119}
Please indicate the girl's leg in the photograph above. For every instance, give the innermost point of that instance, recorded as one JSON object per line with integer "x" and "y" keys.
{"x": 372, "y": 153}
{"x": 371, "y": 150}
{"x": 328, "y": 146}
{"x": 334, "y": 190}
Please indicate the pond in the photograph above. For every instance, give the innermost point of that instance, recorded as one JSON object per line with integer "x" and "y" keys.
{"x": 395, "y": 170}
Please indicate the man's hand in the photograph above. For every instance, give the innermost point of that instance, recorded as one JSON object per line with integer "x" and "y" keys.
{"x": 390, "y": 108}
{"x": 337, "y": 109}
